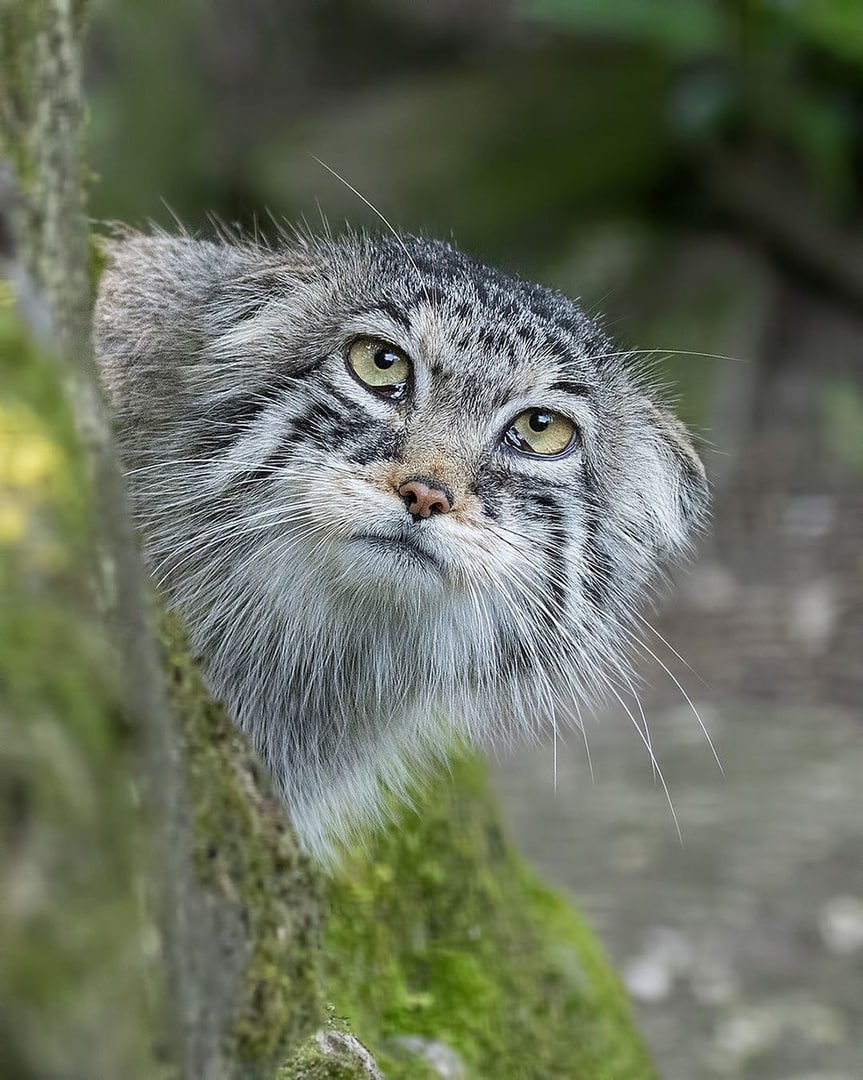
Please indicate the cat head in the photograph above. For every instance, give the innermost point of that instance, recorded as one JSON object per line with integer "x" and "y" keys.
{"x": 385, "y": 452}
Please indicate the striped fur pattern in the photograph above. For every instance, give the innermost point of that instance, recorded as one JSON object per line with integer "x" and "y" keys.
{"x": 352, "y": 642}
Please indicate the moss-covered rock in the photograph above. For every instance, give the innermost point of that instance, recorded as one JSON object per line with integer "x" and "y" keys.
{"x": 438, "y": 929}
{"x": 332, "y": 1054}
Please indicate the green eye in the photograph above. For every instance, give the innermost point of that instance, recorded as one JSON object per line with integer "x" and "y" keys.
{"x": 380, "y": 366}
{"x": 541, "y": 431}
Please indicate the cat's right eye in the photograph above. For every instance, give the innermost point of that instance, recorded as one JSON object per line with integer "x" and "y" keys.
{"x": 382, "y": 367}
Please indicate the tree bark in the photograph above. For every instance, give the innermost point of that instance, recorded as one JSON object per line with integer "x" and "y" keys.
{"x": 219, "y": 929}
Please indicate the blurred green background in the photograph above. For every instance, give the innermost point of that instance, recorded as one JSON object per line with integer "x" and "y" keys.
{"x": 694, "y": 171}
{"x": 579, "y": 141}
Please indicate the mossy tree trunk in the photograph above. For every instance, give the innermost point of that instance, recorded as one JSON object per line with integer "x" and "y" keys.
{"x": 228, "y": 984}
{"x": 80, "y": 998}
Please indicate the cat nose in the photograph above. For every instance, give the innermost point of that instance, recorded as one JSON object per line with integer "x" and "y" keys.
{"x": 424, "y": 497}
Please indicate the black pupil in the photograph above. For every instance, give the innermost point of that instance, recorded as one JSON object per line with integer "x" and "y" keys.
{"x": 539, "y": 421}
{"x": 384, "y": 359}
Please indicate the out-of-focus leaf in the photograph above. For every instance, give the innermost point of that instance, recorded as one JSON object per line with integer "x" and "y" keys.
{"x": 833, "y": 25}
{"x": 680, "y": 26}
{"x": 821, "y": 130}
{"x": 532, "y": 147}
{"x": 700, "y": 101}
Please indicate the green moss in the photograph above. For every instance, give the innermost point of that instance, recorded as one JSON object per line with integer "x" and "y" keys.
{"x": 73, "y": 933}
{"x": 333, "y": 1054}
{"x": 311, "y": 1063}
{"x": 19, "y": 24}
{"x": 246, "y": 854}
{"x": 440, "y": 930}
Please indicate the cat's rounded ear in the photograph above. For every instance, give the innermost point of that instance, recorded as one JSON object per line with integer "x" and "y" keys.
{"x": 148, "y": 317}
{"x": 168, "y": 304}
{"x": 678, "y": 501}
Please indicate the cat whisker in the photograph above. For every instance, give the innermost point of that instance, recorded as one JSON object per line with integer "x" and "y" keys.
{"x": 641, "y": 644}
{"x": 653, "y": 760}
{"x": 380, "y": 215}
{"x": 626, "y": 353}
{"x": 668, "y": 645}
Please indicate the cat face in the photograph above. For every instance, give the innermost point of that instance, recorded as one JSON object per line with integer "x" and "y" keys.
{"x": 384, "y": 482}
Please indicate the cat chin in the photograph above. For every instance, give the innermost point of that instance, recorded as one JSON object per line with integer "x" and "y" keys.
{"x": 393, "y": 563}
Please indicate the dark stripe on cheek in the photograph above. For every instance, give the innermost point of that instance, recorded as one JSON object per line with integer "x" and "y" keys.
{"x": 329, "y": 424}
{"x": 513, "y": 655}
{"x": 224, "y": 422}
{"x": 532, "y": 488}
{"x": 268, "y": 468}
{"x": 381, "y": 445}
{"x": 599, "y": 566}
{"x": 488, "y": 490}
{"x": 556, "y": 539}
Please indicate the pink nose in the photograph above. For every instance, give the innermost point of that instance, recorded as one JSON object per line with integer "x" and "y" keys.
{"x": 424, "y": 499}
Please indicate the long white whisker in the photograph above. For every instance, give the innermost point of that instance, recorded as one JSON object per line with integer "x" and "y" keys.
{"x": 669, "y": 646}
{"x": 653, "y": 760}
{"x": 385, "y": 220}
{"x": 679, "y": 685}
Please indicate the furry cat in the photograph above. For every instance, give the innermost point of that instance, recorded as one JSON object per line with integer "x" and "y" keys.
{"x": 399, "y": 497}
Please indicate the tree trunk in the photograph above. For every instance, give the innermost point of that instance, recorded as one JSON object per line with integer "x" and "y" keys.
{"x": 88, "y": 719}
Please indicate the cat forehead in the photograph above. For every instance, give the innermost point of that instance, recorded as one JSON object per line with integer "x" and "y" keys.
{"x": 418, "y": 272}
{"x": 479, "y": 354}
{"x": 454, "y": 308}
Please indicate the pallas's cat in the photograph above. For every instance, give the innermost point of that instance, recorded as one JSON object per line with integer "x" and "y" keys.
{"x": 398, "y": 497}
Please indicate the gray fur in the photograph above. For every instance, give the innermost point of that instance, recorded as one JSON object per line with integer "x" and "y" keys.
{"x": 253, "y": 457}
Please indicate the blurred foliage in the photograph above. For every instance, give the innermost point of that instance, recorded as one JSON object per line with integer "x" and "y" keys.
{"x": 843, "y": 421}
{"x": 676, "y": 25}
{"x": 789, "y": 71}
{"x": 512, "y": 131}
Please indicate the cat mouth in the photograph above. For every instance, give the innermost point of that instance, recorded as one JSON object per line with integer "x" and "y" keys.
{"x": 403, "y": 549}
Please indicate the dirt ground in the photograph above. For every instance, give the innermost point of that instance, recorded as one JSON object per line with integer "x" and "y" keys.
{"x": 742, "y": 946}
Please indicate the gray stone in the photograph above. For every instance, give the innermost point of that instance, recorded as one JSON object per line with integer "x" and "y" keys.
{"x": 442, "y": 1058}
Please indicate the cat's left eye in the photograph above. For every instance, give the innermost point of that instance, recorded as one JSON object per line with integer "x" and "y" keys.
{"x": 541, "y": 432}
{"x": 380, "y": 366}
